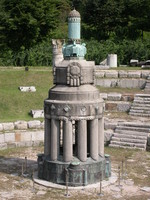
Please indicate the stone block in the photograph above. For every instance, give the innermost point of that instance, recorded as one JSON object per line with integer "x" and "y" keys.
{"x": 127, "y": 97}
{"x": 37, "y": 143}
{"x": 110, "y": 106}
{"x": 8, "y": 126}
{"x": 131, "y": 83}
{"x": 3, "y": 146}
{"x": 20, "y": 125}
{"x": 103, "y": 82}
{"x": 11, "y": 145}
{"x": 37, "y": 113}
{"x": 27, "y": 88}
{"x": 42, "y": 125}
{"x": 103, "y": 96}
{"x": 26, "y": 136}
{"x": 110, "y": 125}
{"x": 111, "y": 74}
{"x": 123, "y": 106}
{"x": 145, "y": 74}
{"x": 100, "y": 74}
{"x": 9, "y": 137}
{"x": 17, "y": 136}
{"x": 134, "y": 74}
{"x": 122, "y": 74}
{"x": 1, "y": 127}
{"x": 34, "y": 124}
{"x": 38, "y": 136}
{"x": 2, "y": 138}
{"x": 114, "y": 97}
{"x": 25, "y": 144}
{"x": 107, "y": 136}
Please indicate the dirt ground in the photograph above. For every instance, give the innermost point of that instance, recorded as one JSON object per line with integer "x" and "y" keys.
{"x": 134, "y": 183}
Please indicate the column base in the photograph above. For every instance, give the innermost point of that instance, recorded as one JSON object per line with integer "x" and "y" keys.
{"x": 79, "y": 173}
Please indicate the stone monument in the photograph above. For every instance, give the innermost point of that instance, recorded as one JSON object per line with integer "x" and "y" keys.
{"x": 74, "y": 126}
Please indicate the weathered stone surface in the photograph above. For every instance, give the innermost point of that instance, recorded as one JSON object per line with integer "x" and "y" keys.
{"x": 146, "y": 189}
{"x": 114, "y": 97}
{"x": 122, "y": 74}
{"x": 103, "y": 96}
{"x": 37, "y": 113}
{"x": 38, "y": 136}
{"x": 110, "y": 106}
{"x": 3, "y": 146}
{"x": 8, "y": 126}
{"x": 1, "y": 127}
{"x": 134, "y": 74}
{"x": 123, "y": 106}
{"x": 111, "y": 74}
{"x": 100, "y": 74}
{"x": 145, "y": 74}
{"x": 148, "y": 140}
{"x": 27, "y": 88}
{"x": 103, "y": 82}
{"x": 34, "y": 124}
{"x": 127, "y": 97}
{"x": 42, "y": 125}
{"x": 110, "y": 125}
{"x": 107, "y": 136}
{"x": 26, "y": 136}
{"x": 131, "y": 83}
{"x": 9, "y": 137}
{"x": 21, "y": 125}
{"x": 2, "y": 140}
{"x": 17, "y": 136}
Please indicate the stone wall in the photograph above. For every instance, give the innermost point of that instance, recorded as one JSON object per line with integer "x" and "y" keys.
{"x": 120, "y": 78}
{"x": 21, "y": 133}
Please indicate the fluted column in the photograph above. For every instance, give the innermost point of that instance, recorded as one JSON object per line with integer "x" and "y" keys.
{"x": 82, "y": 140}
{"x": 47, "y": 132}
{"x": 54, "y": 139}
{"x": 101, "y": 136}
{"x": 67, "y": 141}
{"x": 94, "y": 139}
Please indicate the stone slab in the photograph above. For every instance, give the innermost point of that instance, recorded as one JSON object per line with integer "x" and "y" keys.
{"x": 104, "y": 82}
{"x": 26, "y": 136}
{"x": 8, "y": 126}
{"x": 114, "y": 96}
{"x": 122, "y": 74}
{"x": 21, "y": 125}
{"x": 100, "y": 74}
{"x": 38, "y": 136}
{"x": 2, "y": 138}
{"x": 111, "y": 74}
{"x": 34, "y": 124}
{"x": 3, "y": 146}
{"x": 1, "y": 127}
{"x": 37, "y": 113}
{"x": 131, "y": 83}
{"x": 9, "y": 137}
{"x": 110, "y": 125}
{"x": 123, "y": 106}
{"x": 145, "y": 74}
{"x": 127, "y": 97}
{"x": 27, "y": 88}
{"x": 103, "y": 96}
{"x": 134, "y": 74}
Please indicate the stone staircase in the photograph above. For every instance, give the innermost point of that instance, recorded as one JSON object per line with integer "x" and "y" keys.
{"x": 141, "y": 105}
{"x": 130, "y": 135}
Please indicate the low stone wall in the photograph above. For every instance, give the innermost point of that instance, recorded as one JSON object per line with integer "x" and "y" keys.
{"x": 123, "y": 79}
{"x": 21, "y": 133}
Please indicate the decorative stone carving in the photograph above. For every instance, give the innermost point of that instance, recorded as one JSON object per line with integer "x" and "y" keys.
{"x": 74, "y": 74}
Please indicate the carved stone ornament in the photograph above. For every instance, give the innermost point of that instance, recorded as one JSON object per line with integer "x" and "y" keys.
{"x": 74, "y": 74}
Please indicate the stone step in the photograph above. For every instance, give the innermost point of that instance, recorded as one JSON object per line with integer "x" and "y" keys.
{"x": 141, "y": 101}
{"x": 143, "y": 95}
{"x": 130, "y": 132}
{"x": 121, "y": 135}
{"x": 139, "y": 114}
{"x": 124, "y": 147}
{"x": 135, "y": 124}
{"x": 140, "y": 111}
{"x": 140, "y": 105}
{"x": 129, "y": 144}
{"x": 137, "y": 129}
{"x": 129, "y": 140}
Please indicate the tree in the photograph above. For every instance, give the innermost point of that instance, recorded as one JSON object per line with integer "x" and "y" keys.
{"x": 27, "y": 22}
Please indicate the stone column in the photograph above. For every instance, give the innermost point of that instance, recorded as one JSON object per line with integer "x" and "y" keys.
{"x": 82, "y": 140}
{"x": 54, "y": 139}
{"x": 67, "y": 141}
{"x": 94, "y": 139}
{"x": 101, "y": 136}
{"x": 47, "y": 132}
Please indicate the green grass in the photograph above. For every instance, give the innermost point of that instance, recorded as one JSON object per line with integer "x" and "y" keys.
{"x": 16, "y": 105}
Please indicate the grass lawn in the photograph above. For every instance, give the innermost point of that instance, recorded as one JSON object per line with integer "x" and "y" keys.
{"x": 16, "y": 105}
